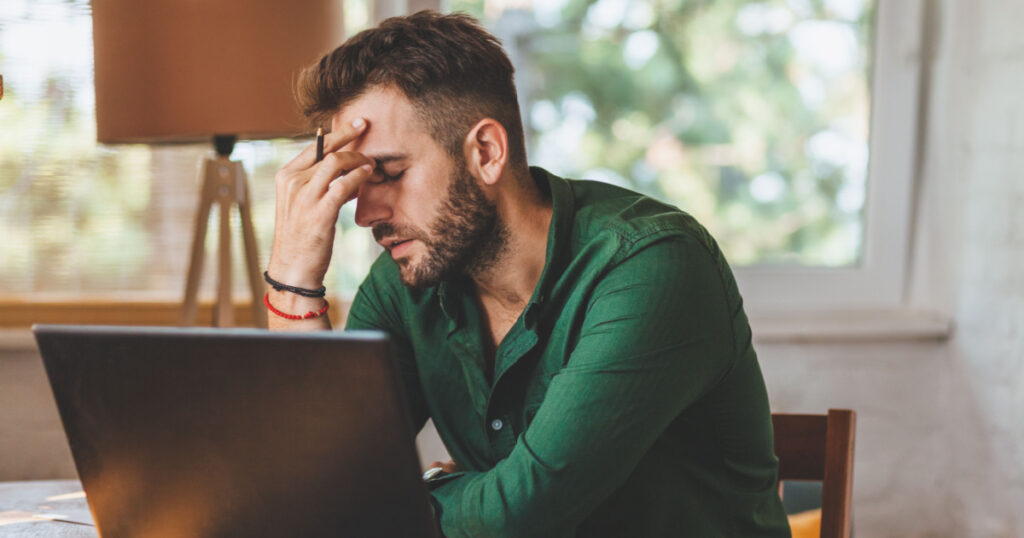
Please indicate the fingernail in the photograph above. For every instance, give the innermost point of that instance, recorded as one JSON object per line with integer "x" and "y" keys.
{"x": 358, "y": 123}
{"x": 367, "y": 168}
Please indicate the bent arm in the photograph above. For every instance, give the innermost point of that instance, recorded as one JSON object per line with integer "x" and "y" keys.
{"x": 657, "y": 336}
{"x": 309, "y": 195}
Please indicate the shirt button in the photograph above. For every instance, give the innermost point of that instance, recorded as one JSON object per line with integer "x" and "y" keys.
{"x": 496, "y": 424}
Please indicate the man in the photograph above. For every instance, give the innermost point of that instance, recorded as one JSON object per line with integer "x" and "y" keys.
{"x": 581, "y": 349}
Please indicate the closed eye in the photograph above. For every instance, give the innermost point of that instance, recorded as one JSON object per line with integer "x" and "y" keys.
{"x": 390, "y": 161}
{"x": 385, "y": 178}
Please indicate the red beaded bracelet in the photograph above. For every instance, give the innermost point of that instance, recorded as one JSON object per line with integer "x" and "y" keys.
{"x": 307, "y": 315}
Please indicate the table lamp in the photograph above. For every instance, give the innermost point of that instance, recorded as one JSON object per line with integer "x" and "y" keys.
{"x": 171, "y": 71}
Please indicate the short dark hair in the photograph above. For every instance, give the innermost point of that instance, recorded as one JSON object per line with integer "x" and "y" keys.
{"x": 453, "y": 71}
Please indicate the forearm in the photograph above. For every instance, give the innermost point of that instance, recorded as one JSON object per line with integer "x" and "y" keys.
{"x": 592, "y": 430}
{"x": 310, "y": 193}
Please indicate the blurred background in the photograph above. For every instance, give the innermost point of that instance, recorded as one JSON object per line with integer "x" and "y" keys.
{"x": 879, "y": 142}
{"x": 752, "y": 116}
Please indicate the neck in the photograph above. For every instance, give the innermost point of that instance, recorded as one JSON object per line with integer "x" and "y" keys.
{"x": 526, "y": 213}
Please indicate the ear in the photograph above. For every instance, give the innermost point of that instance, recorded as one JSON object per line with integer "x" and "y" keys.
{"x": 486, "y": 150}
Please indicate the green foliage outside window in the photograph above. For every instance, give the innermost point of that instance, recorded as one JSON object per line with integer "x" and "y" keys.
{"x": 752, "y": 116}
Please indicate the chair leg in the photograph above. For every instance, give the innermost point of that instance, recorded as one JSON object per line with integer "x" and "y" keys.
{"x": 837, "y": 486}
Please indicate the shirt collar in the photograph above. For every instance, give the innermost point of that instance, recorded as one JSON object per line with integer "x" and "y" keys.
{"x": 560, "y": 192}
{"x": 562, "y": 209}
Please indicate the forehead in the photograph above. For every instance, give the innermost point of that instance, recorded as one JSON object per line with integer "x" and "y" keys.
{"x": 394, "y": 124}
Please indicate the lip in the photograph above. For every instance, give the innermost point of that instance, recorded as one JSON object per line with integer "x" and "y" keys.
{"x": 397, "y": 250}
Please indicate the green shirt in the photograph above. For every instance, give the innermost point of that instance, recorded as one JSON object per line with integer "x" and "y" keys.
{"x": 626, "y": 400}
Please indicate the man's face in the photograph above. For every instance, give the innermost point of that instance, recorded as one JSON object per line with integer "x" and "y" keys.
{"x": 424, "y": 207}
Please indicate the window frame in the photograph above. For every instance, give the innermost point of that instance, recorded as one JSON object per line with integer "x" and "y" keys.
{"x": 879, "y": 281}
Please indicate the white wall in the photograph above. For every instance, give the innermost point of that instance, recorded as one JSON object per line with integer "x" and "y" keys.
{"x": 32, "y": 443}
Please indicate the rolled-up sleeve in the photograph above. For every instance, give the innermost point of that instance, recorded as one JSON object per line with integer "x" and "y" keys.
{"x": 656, "y": 336}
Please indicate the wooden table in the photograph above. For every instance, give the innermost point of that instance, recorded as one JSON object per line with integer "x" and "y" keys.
{"x": 51, "y": 508}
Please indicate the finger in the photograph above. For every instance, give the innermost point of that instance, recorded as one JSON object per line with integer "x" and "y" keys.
{"x": 334, "y": 165}
{"x": 303, "y": 160}
{"x": 345, "y": 187}
{"x": 332, "y": 141}
{"x": 335, "y": 140}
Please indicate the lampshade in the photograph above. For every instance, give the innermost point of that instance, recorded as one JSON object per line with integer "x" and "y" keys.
{"x": 184, "y": 70}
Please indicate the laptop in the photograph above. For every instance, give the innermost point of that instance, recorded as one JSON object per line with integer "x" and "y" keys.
{"x": 237, "y": 432}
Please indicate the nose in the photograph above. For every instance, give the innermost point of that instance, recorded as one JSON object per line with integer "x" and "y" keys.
{"x": 374, "y": 203}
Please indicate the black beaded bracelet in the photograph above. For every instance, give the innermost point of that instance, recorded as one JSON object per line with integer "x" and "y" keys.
{"x": 305, "y": 292}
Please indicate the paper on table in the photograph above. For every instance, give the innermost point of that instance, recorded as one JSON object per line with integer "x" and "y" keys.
{"x": 76, "y": 516}
{"x": 10, "y": 517}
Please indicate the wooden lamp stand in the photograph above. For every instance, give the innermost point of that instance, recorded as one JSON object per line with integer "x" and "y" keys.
{"x": 224, "y": 183}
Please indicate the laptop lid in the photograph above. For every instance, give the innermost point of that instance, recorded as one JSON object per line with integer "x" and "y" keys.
{"x": 237, "y": 432}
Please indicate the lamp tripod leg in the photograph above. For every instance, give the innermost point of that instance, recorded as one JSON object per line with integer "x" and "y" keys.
{"x": 207, "y": 193}
{"x": 259, "y": 314}
{"x": 224, "y": 184}
{"x": 223, "y": 312}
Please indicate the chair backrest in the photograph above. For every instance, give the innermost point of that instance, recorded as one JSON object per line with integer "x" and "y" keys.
{"x": 820, "y": 447}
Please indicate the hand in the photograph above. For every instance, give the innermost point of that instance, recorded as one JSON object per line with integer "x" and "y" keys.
{"x": 448, "y": 468}
{"x": 309, "y": 197}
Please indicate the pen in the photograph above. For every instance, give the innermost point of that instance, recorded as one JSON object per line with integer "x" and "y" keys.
{"x": 319, "y": 144}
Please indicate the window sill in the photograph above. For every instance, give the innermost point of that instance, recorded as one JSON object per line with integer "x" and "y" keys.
{"x": 901, "y": 325}
{"x": 789, "y": 328}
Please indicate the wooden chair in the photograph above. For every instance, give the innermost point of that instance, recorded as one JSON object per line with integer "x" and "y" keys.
{"x": 820, "y": 448}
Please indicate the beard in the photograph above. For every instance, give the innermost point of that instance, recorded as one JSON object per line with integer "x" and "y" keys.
{"x": 467, "y": 237}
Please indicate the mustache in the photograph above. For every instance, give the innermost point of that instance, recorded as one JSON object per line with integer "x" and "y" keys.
{"x": 386, "y": 229}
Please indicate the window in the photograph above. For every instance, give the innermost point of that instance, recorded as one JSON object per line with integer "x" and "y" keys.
{"x": 753, "y": 116}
